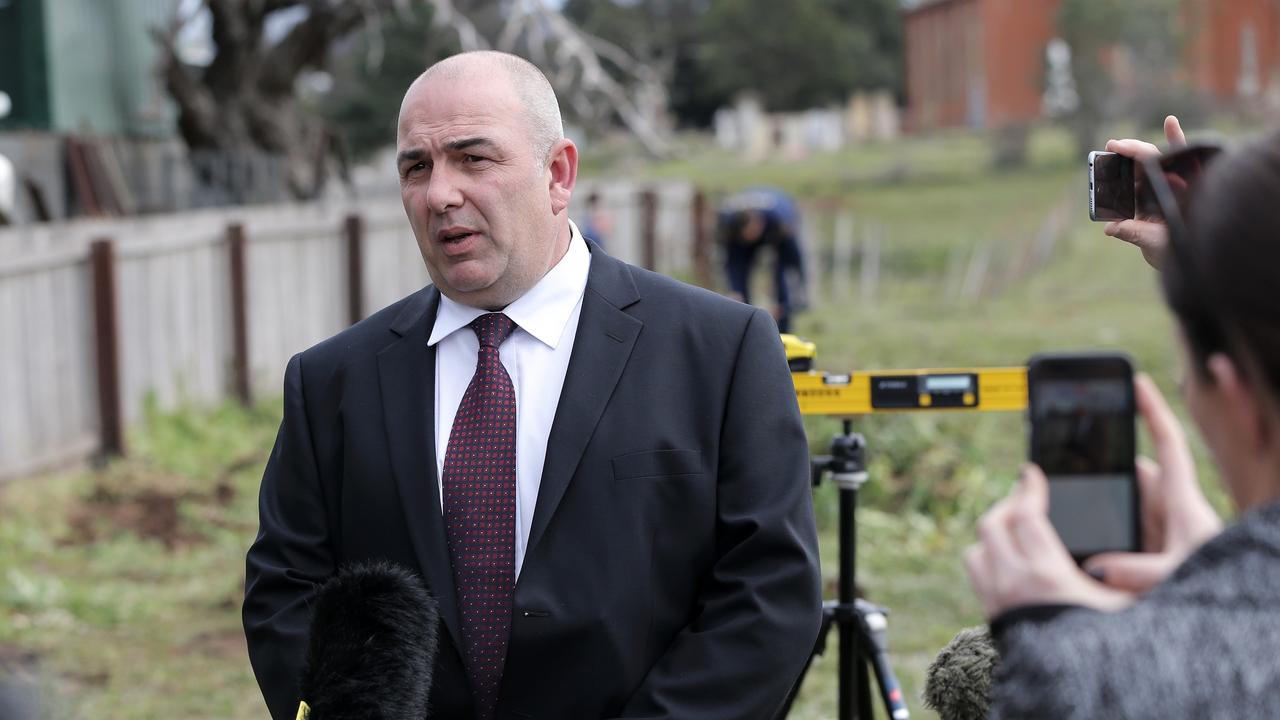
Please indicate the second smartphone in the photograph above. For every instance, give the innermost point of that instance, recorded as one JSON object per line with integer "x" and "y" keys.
{"x": 1083, "y": 435}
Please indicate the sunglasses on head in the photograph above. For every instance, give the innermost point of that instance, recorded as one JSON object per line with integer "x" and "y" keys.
{"x": 1163, "y": 186}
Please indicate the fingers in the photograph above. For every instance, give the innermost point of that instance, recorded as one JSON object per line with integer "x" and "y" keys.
{"x": 1153, "y": 505}
{"x": 1189, "y": 519}
{"x": 1166, "y": 433}
{"x": 1136, "y": 149}
{"x": 1029, "y": 518}
{"x": 1139, "y": 232}
{"x": 1033, "y": 490}
{"x": 1132, "y": 572}
{"x": 1148, "y": 476}
{"x": 1151, "y": 237}
{"x": 1173, "y": 132}
{"x": 994, "y": 534}
{"x": 1140, "y": 149}
{"x": 980, "y": 575}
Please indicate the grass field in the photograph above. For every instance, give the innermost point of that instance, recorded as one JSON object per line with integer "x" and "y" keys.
{"x": 120, "y": 588}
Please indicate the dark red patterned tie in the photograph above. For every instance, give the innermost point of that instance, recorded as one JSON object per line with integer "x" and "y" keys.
{"x": 480, "y": 512}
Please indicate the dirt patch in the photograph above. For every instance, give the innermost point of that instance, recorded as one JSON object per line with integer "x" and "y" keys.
{"x": 221, "y": 644}
{"x": 148, "y": 513}
{"x": 18, "y": 661}
{"x": 132, "y": 497}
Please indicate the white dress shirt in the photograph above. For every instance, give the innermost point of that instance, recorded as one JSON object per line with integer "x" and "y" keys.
{"x": 536, "y": 356}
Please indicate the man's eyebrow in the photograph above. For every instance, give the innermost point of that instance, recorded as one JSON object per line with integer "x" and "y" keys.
{"x": 471, "y": 142}
{"x": 414, "y": 154}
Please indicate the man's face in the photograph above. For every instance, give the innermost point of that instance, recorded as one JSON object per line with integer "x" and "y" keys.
{"x": 478, "y": 199}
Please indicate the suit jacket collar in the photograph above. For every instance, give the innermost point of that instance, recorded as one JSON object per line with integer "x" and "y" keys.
{"x": 605, "y": 339}
{"x": 406, "y": 376}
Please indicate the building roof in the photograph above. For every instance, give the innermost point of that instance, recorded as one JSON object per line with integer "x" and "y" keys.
{"x": 911, "y": 6}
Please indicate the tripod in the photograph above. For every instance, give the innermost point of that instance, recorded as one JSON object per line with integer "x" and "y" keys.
{"x": 862, "y": 626}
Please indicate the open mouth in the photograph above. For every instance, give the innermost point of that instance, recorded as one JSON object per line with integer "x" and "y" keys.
{"x": 455, "y": 236}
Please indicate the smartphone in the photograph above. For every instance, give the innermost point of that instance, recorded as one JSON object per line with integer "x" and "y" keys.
{"x": 1112, "y": 194}
{"x": 1082, "y": 434}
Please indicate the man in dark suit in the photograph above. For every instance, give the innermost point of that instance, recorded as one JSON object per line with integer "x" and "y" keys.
{"x": 601, "y": 473}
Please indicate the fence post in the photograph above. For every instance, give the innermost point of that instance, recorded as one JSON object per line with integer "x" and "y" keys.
{"x": 816, "y": 261}
{"x": 354, "y": 230}
{"x": 107, "y": 333}
{"x": 649, "y": 229}
{"x": 870, "y": 270}
{"x": 842, "y": 254}
{"x": 701, "y": 240}
{"x": 239, "y": 315}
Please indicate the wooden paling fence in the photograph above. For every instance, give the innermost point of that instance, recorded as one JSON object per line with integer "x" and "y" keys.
{"x": 100, "y": 318}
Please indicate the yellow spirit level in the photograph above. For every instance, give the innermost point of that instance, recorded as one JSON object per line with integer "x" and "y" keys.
{"x": 863, "y": 393}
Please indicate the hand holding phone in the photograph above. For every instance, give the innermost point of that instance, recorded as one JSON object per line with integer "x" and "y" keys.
{"x": 1176, "y": 517}
{"x": 1021, "y": 561}
{"x": 1149, "y": 235}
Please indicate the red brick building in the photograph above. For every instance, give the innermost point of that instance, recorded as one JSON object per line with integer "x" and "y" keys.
{"x": 981, "y": 63}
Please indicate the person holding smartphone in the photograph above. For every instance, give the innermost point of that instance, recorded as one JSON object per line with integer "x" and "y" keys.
{"x": 1189, "y": 627}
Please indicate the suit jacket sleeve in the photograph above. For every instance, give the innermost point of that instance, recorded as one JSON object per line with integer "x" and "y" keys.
{"x": 291, "y": 555}
{"x": 761, "y": 604}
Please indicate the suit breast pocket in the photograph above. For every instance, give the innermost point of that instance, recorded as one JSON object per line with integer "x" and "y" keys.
{"x": 664, "y": 487}
{"x": 657, "y": 464}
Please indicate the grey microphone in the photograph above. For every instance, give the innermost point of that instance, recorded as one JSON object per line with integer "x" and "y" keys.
{"x": 958, "y": 682}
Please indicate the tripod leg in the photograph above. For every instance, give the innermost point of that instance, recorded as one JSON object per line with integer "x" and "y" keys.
{"x": 864, "y": 693}
{"x": 874, "y": 627}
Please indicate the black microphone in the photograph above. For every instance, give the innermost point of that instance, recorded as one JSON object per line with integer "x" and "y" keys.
{"x": 958, "y": 683}
{"x": 372, "y": 648}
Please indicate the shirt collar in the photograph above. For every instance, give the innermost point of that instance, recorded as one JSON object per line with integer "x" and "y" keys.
{"x": 543, "y": 311}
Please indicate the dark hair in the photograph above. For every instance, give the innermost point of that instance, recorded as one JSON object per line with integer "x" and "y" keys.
{"x": 1225, "y": 286}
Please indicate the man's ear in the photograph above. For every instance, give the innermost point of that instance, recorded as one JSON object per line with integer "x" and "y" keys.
{"x": 1243, "y": 406}
{"x": 562, "y": 174}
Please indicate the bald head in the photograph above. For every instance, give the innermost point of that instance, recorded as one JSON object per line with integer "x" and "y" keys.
{"x": 537, "y": 98}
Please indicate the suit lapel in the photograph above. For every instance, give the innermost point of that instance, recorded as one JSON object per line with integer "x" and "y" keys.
{"x": 406, "y": 376}
{"x": 605, "y": 338}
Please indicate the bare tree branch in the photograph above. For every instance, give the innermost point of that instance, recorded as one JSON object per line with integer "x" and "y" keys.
{"x": 197, "y": 109}
{"x": 650, "y": 96}
{"x": 237, "y": 37}
{"x": 448, "y": 16}
{"x": 306, "y": 45}
{"x": 572, "y": 61}
{"x": 373, "y": 30}
{"x": 244, "y": 102}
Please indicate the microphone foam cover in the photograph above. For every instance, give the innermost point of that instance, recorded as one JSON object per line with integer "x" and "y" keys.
{"x": 372, "y": 647}
{"x": 958, "y": 682}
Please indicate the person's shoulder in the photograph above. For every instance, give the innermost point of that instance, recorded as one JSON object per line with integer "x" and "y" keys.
{"x": 370, "y": 335}
{"x": 694, "y": 303}
{"x": 686, "y": 319}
